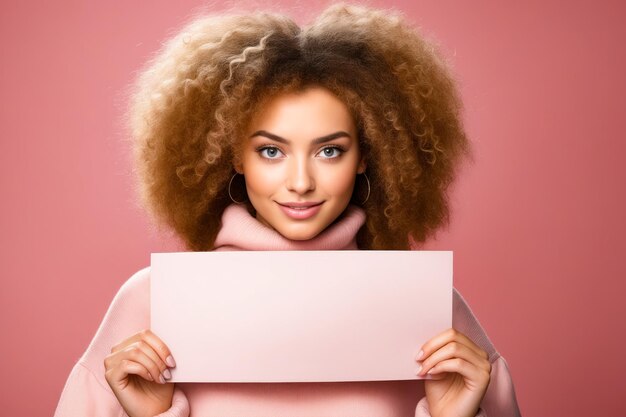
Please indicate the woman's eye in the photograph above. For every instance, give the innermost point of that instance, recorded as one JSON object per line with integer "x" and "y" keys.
{"x": 331, "y": 152}
{"x": 270, "y": 152}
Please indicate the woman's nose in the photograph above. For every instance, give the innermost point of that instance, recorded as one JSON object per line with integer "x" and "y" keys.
{"x": 300, "y": 178}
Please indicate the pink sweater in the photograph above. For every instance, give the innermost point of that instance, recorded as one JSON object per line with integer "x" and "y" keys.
{"x": 87, "y": 393}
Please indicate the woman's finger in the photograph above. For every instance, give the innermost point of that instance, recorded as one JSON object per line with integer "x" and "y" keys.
{"x": 444, "y": 338}
{"x": 117, "y": 375}
{"x": 153, "y": 340}
{"x": 454, "y": 350}
{"x": 471, "y": 374}
{"x": 142, "y": 353}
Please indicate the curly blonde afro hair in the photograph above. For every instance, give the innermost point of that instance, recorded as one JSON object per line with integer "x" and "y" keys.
{"x": 191, "y": 105}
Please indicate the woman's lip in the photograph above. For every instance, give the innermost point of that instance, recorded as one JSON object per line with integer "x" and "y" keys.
{"x": 305, "y": 204}
{"x": 300, "y": 211}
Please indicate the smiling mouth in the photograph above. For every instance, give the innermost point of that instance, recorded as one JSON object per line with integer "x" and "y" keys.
{"x": 300, "y": 206}
{"x": 300, "y": 211}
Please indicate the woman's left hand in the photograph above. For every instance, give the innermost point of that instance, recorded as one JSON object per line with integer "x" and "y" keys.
{"x": 461, "y": 373}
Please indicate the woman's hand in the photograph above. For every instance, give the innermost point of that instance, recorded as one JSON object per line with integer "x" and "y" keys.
{"x": 460, "y": 370}
{"x": 137, "y": 371}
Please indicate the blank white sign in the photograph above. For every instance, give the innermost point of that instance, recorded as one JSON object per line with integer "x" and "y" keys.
{"x": 305, "y": 316}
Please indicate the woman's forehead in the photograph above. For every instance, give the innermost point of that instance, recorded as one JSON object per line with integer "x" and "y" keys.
{"x": 315, "y": 109}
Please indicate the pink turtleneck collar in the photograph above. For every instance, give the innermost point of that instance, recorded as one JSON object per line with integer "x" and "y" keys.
{"x": 241, "y": 231}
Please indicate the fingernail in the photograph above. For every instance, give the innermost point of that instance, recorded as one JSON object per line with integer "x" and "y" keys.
{"x": 419, "y": 355}
{"x": 419, "y": 369}
{"x": 170, "y": 361}
{"x": 161, "y": 379}
{"x": 167, "y": 374}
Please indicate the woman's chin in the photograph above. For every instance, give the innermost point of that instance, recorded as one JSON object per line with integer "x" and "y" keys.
{"x": 301, "y": 232}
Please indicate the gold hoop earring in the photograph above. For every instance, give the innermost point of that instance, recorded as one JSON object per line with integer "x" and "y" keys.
{"x": 368, "y": 188}
{"x": 230, "y": 183}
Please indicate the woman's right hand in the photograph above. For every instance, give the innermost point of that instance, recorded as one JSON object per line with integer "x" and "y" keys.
{"x": 136, "y": 371}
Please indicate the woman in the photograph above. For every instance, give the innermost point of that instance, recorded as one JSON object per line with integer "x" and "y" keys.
{"x": 253, "y": 134}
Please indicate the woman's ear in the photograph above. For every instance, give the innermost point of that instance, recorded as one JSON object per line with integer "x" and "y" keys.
{"x": 362, "y": 166}
{"x": 237, "y": 165}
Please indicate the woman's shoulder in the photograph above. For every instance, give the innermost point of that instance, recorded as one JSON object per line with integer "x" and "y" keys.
{"x": 138, "y": 283}
{"x": 133, "y": 296}
{"x": 128, "y": 313}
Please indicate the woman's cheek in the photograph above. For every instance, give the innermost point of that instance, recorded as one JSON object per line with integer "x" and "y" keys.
{"x": 340, "y": 182}
{"x": 263, "y": 179}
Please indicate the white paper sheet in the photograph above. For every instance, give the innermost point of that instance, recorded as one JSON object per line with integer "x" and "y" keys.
{"x": 306, "y": 316}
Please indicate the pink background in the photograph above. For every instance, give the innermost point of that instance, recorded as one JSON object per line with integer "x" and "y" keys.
{"x": 538, "y": 223}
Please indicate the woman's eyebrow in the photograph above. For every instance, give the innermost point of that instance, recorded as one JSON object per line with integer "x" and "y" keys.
{"x": 316, "y": 141}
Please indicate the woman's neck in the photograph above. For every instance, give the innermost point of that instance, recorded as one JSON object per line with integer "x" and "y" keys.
{"x": 241, "y": 231}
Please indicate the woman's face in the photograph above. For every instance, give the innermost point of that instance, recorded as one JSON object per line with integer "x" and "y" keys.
{"x": 300, "y": 160}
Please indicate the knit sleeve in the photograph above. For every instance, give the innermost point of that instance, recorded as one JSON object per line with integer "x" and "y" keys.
{"x": 423, "y": 411}
{"x": 500, "y": 399}
{"x": 179, "y": 408}
{"x": 83, "y": 395}
{"x": 86, "y": 391}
